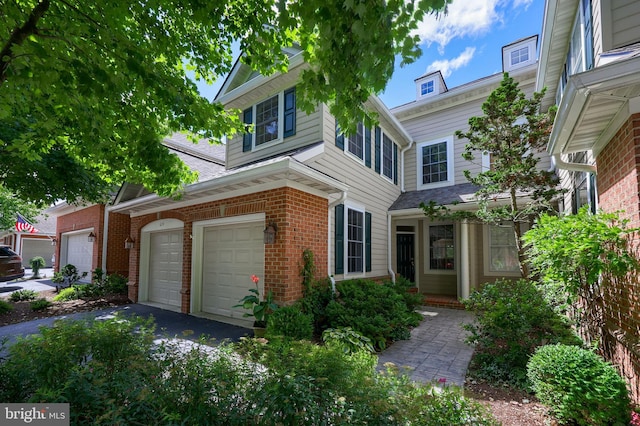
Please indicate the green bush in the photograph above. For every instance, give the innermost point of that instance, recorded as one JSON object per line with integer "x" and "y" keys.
{"x": 66, "y": 294}
{"x": 512, "y": 320}
{"x": 346, "y": 339}
{"x": 20, "y": 295}
{"x": 376, "y": 311}
{"x": 317, "y": 296}
{"x": 290, "y": 322}
{"x": 116, "y": 284}
{"x": 402, "y": 287}
{"x": 579, "y": 386}
{"x": 5, "y": 306}
{"x": 40, "y": 304}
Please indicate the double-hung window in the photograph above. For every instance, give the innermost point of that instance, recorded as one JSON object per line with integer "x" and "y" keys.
{"x": 441, "y": 247}
{"x": 503, "y": 253}
{"x": 273, "y": 120}
{"x": 387, "y": 156}
{"x": 355, "y": 240}
{"x": 356, "y": 142}
{"x": 352, "y": 239}
{"x": 435, "y": 163}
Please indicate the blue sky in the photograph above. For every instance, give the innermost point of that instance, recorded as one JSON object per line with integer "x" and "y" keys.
{"x": 465, "y": 44}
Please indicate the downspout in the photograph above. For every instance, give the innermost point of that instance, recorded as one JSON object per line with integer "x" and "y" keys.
{"x": 340, "y": 200}
{"x": 389, "y": 266}
{"x": 577, "y": 167}
{"x": 407, "y": 148}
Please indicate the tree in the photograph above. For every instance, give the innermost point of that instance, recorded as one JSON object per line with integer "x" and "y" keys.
{"x": 98, "y": 84}
{"x": 513, "y": 131}
{"x": 10, "y": 205}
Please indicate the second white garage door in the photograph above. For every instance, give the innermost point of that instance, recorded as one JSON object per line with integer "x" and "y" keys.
{"x": 165, "y": 268}
{"x": 79, "y": 253}
{"x": 231, "y": 254}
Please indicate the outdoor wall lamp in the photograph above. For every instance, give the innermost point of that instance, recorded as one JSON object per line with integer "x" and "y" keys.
{"x": 270, "y": 233}
{"x": 92, "y": 237}
{"x": 129, "y": 243}
{"x": 54, "y": 241}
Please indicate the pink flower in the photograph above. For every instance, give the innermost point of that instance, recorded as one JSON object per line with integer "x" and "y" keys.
{"x": 442, "y": 380}
{"x": 255, "y": 279}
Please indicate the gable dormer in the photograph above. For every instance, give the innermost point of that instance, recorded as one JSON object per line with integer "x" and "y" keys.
{"x": 430, "y": 84}
{"x": 519, "y": 53}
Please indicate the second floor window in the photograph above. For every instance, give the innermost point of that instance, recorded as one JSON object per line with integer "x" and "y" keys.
{"x": 427, "y": 87}
{"x": 520, "y": 55}
{"x": 435, "y": 163}
{"x": 387, "y": 157}
{"x": 356, "y": 142}
{"x": 267, "y": 128}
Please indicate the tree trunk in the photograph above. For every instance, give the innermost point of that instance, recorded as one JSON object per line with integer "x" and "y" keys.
{"x": 517, "y": 232}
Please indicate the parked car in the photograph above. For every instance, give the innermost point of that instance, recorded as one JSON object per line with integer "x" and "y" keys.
{"x": 10, "y": 264}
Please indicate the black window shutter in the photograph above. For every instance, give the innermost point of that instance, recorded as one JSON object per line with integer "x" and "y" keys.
{"x": 367, "y": 241}
{"x": 395, "y": 163}
{"x": 289, "y": 112}
{"x": 339, "y": 239}
{"x": 378, "y": 138}
{"x": 247, "y": 139}
{"x": 339, "y": 137}
{"x": 367, "y": 147}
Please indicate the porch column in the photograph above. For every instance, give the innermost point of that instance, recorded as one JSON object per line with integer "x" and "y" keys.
{"x": 463, "y": 276}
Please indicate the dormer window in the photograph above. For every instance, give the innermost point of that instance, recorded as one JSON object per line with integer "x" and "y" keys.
{"x": 519, "y": 54}
{"x": 427, "y": 87}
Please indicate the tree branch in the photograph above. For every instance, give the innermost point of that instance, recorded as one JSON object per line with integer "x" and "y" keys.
{"x": 19, "y": 35}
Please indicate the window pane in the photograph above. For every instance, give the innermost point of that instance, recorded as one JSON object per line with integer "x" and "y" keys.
{"x": 267, "y": 121}
{"x": 434, "y": 163}
{"x": 387, "y": 157}
{"x": 502, "y": 249}
{"x": 355, "y": 241}
{"x": 356, "y": 142}
{"x": 441, "y": 247}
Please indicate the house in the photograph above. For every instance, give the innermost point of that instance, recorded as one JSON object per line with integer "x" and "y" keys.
{"x": 452, "y": 258}
{"x": 29, "y": 245}
{"x": 590, "y": 64}
{"x": 294, "y": 181}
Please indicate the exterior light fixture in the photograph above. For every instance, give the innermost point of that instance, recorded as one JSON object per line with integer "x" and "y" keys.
{"x": 92, "y": 237}
{"x": 54, "y": 241}
{"x": 129, "y": 243}
{"x": 270, "y": 233}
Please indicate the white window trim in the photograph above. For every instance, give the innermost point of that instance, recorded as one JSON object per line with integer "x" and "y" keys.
{"x": 382, "y": 135}
{"x": 427, "y": 245}
{"x": 351, "y": 154}
{"x": 450, "y": 163}
{"x": 425, "y": 84}
{"x": 280, "y": 138}
{"x": 506, "y": 55}
{"x": 487, "y": 258}
{"x": 359, "y": 208}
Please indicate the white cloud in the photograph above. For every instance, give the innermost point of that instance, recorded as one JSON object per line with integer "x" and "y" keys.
{"x": 522, "y": 4}
{"x": 463, "y": 18}
{"x": 447, "y": 66}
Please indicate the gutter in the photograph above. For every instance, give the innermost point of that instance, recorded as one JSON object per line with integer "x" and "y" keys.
{"x": 577, "y": 167}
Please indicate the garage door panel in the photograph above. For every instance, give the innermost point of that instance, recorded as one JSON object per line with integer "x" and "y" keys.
{"x": 232, "y": 253}
{"x": 79, "y": 253}
{"x": 165, "y": 267}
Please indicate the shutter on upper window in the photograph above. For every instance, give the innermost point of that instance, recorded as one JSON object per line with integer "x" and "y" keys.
{"x": 289, "y": 112}
{"x": 367, "y": 241}
{"x": 395, "y": 164}
{"x": 339, "y": 137}
{"x": 378, "y": 141}
{"x": 339, "y": 216}
{"x": 367, "y": 147}
{"x": 247, "y": 139}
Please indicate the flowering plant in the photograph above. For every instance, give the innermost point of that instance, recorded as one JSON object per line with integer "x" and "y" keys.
{"x": 260, "y": 309}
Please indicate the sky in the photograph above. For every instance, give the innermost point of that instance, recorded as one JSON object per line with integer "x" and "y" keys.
{"x": 464, "y": 45}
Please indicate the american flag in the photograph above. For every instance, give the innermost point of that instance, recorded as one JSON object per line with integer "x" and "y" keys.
{"x": 23, "y": 226}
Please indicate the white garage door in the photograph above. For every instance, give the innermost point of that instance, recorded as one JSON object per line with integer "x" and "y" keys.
{"x": 232, "y": 253}
{"x": 80, "y": 253}
{"x": 32, "y": 247}
{"x": 165, "y": 267}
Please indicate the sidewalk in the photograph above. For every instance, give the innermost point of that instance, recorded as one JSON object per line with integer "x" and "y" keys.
{"x": 436, "y": 350}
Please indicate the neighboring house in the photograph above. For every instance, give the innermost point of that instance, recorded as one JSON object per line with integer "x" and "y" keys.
{"x": 29, "y": 245}
{"x": 81, "y": 229}
{"x": 452, "y": 258}
{"x": 590, "y": 64}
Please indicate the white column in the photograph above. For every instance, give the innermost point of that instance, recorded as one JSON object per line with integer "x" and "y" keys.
{"x": 464, "y": 261}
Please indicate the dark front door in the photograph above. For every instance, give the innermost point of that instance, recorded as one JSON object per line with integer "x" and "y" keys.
{"x": 405, "y": 255}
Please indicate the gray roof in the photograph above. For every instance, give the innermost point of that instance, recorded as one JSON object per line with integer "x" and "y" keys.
{"x": 446, "y": 195}
{"x": 204, "y": 149}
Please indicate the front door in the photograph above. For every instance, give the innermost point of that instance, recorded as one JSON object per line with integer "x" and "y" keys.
{"x": 405, "y": 250}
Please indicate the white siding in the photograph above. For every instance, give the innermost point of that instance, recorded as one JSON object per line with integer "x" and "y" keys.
{"x": 625, "y": 26}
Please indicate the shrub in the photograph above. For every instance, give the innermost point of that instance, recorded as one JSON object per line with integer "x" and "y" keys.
{"x": 402, "y": 287}
{"x": 5, "y": 306}
{"x": 20, "y": 295}
{"x": 579, "y": 386}
{"x": 512, "y": 320}
{"x": 317, "y": 296}
{"x": 66, "y": 294}
{"x": 290, "y": 322}
{"x": 116, "y": 284}
{"x": 37, "y": 263}
{"x": 346, "y": 339}
{"x": 373, "y": 310}
{"x": 40, "y": 304}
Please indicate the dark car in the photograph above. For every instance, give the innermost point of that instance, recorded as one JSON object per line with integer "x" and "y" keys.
{"x": 10, "y": 264}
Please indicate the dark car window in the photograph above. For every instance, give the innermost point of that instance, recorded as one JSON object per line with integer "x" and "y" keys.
{"x": 6, "y": 251}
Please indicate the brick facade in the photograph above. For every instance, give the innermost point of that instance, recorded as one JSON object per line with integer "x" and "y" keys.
{"x": 302, "y": 223}
{"x": 619, "y": 190}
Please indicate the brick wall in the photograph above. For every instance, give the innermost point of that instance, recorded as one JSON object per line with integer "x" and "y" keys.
{"x": 301, "y": 219}
{"x": 618, "y": 188}
{"x": 90, "y": 217}
{"x": 117, "y": 255}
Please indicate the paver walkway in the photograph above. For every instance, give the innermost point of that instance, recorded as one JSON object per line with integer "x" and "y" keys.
{"x": 436, "y": 350}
